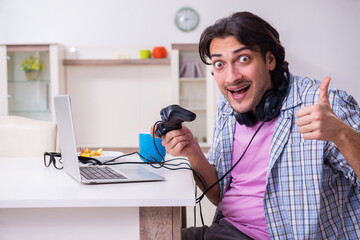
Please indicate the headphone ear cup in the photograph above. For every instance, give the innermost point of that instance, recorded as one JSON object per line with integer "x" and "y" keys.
{"x": 246, "y": 119}
{"x": 269, "y": 106}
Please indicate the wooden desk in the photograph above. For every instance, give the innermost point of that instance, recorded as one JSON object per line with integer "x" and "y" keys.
{"x": 44, "y": 203}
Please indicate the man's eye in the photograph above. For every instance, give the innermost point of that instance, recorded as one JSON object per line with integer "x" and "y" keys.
{"x": 244, "y": 59}
{"x": 218, "y": 64}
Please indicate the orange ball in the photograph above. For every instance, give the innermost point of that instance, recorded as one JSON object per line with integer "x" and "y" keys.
{"x": 159, "y": 52}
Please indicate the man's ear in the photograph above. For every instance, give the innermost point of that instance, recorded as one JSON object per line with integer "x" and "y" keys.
{"x": 270, "y": 60}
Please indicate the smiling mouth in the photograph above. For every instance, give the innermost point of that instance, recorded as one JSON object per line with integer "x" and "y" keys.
{"x": 240, "y": 91}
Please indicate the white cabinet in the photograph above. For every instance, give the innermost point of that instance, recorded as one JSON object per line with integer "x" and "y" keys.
{"x": 26, "y": 91}
{"x": 113, "y": 100}
{"x": 194, "y": 89}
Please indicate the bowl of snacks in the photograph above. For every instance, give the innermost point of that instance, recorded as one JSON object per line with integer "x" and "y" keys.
{"x": 99, "y": 154}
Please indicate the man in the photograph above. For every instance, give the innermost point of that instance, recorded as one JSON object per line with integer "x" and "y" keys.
{"x": 299, "y": 176}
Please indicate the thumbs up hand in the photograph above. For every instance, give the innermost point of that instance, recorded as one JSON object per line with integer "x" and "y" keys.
{"x": 319, "y": 122}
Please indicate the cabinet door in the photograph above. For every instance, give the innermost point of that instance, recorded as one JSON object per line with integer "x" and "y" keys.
{"x": 30, "y": 81}
{"x": 190, "y": 88}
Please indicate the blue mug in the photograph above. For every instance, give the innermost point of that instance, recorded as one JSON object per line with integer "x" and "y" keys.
{"x": 147, "y": 149}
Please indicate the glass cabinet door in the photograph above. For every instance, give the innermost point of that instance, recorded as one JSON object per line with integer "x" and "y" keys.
{"x": 29, "y": 86}
{"x": 190, "y": 87}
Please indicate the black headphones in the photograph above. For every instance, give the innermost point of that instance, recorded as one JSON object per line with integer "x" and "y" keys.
{"x": 271, "y": 102}
{"x": 268, "y": 108}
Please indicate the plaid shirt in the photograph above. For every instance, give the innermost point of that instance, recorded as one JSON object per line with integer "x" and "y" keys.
{"x": 311, "y": 191}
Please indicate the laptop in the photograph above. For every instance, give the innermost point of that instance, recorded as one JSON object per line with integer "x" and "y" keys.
{"x": 91, "y": 174}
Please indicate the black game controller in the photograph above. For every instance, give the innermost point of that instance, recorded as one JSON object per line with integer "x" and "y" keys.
{"x": 172, "y": 116}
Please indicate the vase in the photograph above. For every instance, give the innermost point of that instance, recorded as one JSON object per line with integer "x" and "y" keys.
{"x": 32, "y": 75}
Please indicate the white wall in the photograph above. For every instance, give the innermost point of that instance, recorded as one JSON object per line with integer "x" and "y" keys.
{"x": 320, "y": 37}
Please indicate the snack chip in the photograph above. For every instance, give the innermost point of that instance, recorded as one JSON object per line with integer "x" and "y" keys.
{"x": 91, "y": 153}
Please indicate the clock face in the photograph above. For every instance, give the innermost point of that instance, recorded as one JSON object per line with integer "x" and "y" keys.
{"x": 186, "y": 19}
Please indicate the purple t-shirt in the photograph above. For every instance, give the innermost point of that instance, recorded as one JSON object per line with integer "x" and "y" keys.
{"x": 243, "y": 203}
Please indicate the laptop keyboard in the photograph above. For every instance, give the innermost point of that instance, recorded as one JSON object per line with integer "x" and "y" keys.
{"x": 90, "y": 173}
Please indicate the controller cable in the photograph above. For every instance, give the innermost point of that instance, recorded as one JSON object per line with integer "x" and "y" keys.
{"x": 150, "y": 160}
{"x": 219, "y": 180}
{"x": 206, "y": 190}
{"x": 153, "y": 162}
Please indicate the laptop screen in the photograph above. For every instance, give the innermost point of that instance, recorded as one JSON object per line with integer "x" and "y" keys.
{"x": 67, "y": 135}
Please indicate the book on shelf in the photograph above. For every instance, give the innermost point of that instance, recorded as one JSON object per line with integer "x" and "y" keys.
{"x": 191, "y": 69}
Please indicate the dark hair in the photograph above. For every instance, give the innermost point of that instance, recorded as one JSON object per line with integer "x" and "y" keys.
{"x": 255, "y": 33}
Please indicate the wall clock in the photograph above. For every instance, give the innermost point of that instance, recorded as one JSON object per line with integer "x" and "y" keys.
{"x": 186, "y": 19}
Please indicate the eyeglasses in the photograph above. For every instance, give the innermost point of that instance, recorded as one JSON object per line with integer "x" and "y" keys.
{"x": 54, "y": 158}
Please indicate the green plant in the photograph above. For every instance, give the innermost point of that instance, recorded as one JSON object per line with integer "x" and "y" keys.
{"x": 32, "y": 64}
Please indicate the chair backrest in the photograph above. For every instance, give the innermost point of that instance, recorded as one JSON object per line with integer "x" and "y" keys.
{"x": 24, "y": 137}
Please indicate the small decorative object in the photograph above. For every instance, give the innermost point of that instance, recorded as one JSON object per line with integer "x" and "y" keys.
{"x": 159, "y": 52}
{"x": 32, "y": 66}
{"x": 186, "y": 19}
{"x": 144, "y": 54}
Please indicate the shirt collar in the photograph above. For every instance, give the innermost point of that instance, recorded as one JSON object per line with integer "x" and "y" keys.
{"x": 292, "y": 98}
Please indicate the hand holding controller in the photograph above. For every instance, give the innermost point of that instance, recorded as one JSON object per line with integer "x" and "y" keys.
{"x": 172, "y": 117}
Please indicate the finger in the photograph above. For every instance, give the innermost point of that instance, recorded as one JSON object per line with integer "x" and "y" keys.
{"x": 174, "y": 144}
{"x": 310, "y": 135}
{"x": 316, "y": 134}
{"x": 309, "y": 128}
{"x": 304, "y": 111}
{"x": 178, "y": 149}
{"x": 324, "y": 90}
{"x": 170, "y": 137}
{"x": 176, "y": 140}
{"x": 304, "y": 120}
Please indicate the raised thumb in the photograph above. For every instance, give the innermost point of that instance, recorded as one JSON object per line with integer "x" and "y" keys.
{"x": 324, "y": 90}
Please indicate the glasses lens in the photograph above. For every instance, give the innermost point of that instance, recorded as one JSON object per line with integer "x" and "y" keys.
{"x": 58, "y": 163}
{"x": 47, "y": 159}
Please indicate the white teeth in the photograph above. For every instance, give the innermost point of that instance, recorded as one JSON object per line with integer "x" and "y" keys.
{"x": 240, "y": 88}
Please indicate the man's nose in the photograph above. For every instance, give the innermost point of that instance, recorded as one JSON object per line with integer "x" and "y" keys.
{"x": 233, "y": 74}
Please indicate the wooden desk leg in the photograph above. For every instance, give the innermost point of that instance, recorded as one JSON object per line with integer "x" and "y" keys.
{"x": 160, "y": 223}
{"x": 176, "y": 223}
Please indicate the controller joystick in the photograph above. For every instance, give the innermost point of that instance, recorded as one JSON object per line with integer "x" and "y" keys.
{"x": 172, "y": 117}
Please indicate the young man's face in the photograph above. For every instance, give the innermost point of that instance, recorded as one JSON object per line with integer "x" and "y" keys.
{"x": 241, "y": 73}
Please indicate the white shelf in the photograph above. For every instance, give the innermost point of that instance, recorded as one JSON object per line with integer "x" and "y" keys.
{"x": 115, "y": 62}
{"x": 29, "y": 111}
{"x": 192, "y": 79}
{"x": 28, "y": 82}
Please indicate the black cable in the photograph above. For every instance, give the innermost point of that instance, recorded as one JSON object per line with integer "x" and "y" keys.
{"x": 195, "y": 206}
{"x": 157, "y": 164}
{"x": 165, "y": 164}
{"x": 198, "y": 200}
{"x": 201, "y": 215}
{"x": 153, "y": 136}
{"x": 153, "y": 162}
{"x": 213, "y": 185}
